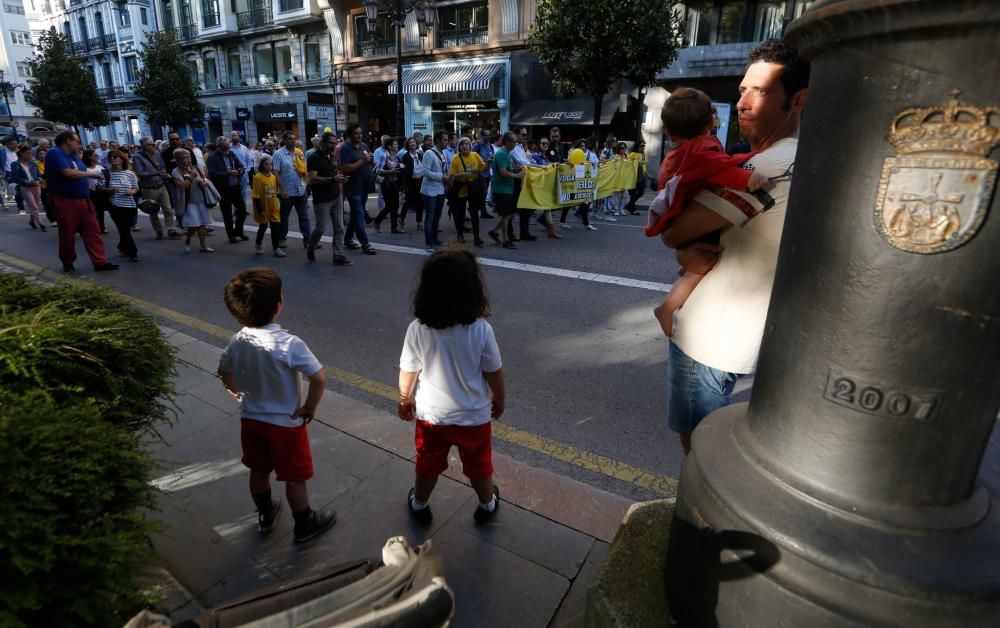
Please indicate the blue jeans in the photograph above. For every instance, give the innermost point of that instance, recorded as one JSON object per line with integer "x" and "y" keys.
{"x": 433, "y": 205}
{"x": 301, "y": 209}
{"x": 696, "y": 390}
{"x": 356, "y": 226}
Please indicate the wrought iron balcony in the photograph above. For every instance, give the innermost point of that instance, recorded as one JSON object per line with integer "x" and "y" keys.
{"x": 289, "y": 5}
{"x": 375, "y": 47}
{"x": 109, "y": 41}
{"x": 210, "y": 20}
{"x": 125, "y": 33}
{"x": 255, "y": 17}
{"x": 94, "y": 43}
{"x": 108, "y": 93}
{"x": 463, "y": 37}
{"x": 78, "y": 47}
{"x": 185, "y": 32}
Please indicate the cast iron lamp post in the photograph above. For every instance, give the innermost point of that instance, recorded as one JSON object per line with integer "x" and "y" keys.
{"x": 7, "y": 88}
{"x": 397, "y": 11}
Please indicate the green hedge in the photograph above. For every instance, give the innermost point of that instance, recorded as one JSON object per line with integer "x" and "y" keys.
{"x": 74, "y": 343}
{"x": 83, "y": 375}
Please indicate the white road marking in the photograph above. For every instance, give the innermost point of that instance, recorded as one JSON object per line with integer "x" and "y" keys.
{"x": 200, "y": 473}
{"x": 530, "y": 268}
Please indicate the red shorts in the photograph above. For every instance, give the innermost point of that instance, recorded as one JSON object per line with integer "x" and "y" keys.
{"x": 475, "y": 447}
{"x": 284, "y": 450}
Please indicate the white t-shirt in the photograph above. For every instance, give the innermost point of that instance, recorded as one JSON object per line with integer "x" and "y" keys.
{"x": 267, "y": 362}
{"x": 722, "y": 322}
{"x": 451, "y": 389}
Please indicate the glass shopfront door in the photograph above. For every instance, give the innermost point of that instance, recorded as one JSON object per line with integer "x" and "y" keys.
{"x": 459, "y": 118}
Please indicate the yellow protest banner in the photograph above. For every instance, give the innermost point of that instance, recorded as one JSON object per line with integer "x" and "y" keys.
{"x": 555, "y": 186}
{"x": 576, "y": 184}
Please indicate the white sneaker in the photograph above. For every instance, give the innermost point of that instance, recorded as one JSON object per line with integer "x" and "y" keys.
{"x": 280, "y": 253}
{"x": 258, "y": 249}
{"x": 136, "y": 228}
{"x": 590, "y": 227}
{"x": 208, "y": 249}
{"x": 563, "y": 225}
{"x": 609, "y": 218}
{"x": 187, "y": 248}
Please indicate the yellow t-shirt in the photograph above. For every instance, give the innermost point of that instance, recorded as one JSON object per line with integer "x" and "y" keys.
{"x": 41, "y": 174}
{"x": 639, "y": 157}
{"x": 473, "y": 163}
{"x": 265, "y": 188}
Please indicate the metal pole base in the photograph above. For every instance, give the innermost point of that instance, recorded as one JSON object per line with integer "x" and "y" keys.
{"x": 748, "y": 548}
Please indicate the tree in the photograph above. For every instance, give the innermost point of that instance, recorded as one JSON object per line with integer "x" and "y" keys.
{"x": 166, "y": 83}
{"x": 589, "y": 46}
{"x": 61, "y": 87}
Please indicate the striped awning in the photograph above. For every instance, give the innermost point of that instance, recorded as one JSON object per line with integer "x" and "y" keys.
{"x": 448, "y": 78}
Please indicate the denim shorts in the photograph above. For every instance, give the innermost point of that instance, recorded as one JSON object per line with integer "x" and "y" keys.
{"x": 695, "y": 391}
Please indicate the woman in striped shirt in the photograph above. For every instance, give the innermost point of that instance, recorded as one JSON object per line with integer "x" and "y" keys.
{"x": 123, "y": 186}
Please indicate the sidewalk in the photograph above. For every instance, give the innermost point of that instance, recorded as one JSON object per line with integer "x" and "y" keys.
{"x": 529, "y": 567}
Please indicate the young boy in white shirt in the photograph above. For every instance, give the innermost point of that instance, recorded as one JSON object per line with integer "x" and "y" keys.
{"x": 261, "y": 367}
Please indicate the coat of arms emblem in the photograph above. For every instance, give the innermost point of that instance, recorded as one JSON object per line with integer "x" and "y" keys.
{"x": 935, "y": 194}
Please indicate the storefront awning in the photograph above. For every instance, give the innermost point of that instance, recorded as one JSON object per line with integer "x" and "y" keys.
{"x": 448, "y": 78}
{"x": 564, "y": 112}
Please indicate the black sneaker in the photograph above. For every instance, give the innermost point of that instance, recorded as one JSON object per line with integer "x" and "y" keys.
{"x": 310, "y": 254}
{"x": 340, "y": 260}
{"x": 173, "y": 235}
{"x": 423, "y": 516}
{"x": 317, "y": 523}
{"x": 267, "y": 521}
{"x": 69, "y": 268}
{"x": 484, "y": 516}
{"x": 106, "y": 266}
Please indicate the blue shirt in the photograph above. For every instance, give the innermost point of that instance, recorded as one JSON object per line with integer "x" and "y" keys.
{"x": 359, "y": 181}
{"x": 58, "y": 160}
{"x": 284, "y": 167}
{"x": 485, "y": 150}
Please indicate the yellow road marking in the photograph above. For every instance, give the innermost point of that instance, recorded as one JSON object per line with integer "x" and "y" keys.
{"x": 661, "y": 484}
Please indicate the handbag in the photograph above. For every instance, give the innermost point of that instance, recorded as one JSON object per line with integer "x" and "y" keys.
{"x": 475, "y": 187}
{"x": 212, "y": 196}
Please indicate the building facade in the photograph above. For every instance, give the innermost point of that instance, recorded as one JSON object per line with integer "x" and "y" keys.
{"x": 15, "y": 52}
{"x": 109, "y": 36}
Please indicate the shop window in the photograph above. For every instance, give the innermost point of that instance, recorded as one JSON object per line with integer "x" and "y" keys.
{"x": 380, "y": 40}
{"x": 234, "y": 67}
{"x": 211, "y": 72}
{"x": 312, "y": 58}
{"x": 263, "y": 55}
{"x": 463, "y": 25}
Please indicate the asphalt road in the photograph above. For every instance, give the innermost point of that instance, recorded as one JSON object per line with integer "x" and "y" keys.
{"x": 584, "y": 359}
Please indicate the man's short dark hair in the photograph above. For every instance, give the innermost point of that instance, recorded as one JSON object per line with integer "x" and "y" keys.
{"x": 438, "y": 134}
{"x": 451, "y": 290}
{"x": 327, "y": 136}
{"x": 794, "y": 76}
{"x": 351, "y": 127}
{"x": 10, "y": 139}
{"x": 252, "y": 296}
{"x": 687, "y": 112}
{"x": 284, "y": 136}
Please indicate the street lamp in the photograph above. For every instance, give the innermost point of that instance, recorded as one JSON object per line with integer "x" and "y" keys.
{"x": 7, "y": 88}
{"x": 397, "y": 11}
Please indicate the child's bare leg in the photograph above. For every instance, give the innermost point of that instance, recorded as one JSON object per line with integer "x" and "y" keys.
{"x": 483, "y": 488}
{"x": 678, "y": 294}
{"x": 260, "y": 482}
{"x": 298, "y": 495}
{"x": 423, "y": 487}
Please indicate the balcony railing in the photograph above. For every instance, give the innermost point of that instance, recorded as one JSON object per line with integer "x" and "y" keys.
{"x": 464, "y": 37}
{"x": 78, "y": 47}
{"x": 186, "y": 32}
{"x": 375, "y": 47}
{"x": 94, "y": 43}
{"x": 125, "y": 33}
{"x": 109, "y": 41}
{"x": 255, "y": 17}
{"x": 289, "y": 5}
{"x": 210, "y": 20}
{"x": 108, "y": 93}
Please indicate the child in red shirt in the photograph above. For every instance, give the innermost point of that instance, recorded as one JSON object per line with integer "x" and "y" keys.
{"x": 698, "y": 160}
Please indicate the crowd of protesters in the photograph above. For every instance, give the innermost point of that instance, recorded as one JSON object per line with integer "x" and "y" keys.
{"x": 178, "y": 183}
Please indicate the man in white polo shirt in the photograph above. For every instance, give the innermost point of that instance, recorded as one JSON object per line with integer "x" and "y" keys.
{"x": 718, "y": 332}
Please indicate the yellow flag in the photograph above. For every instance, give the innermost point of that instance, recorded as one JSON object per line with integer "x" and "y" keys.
{"x": 538, "y": 188}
